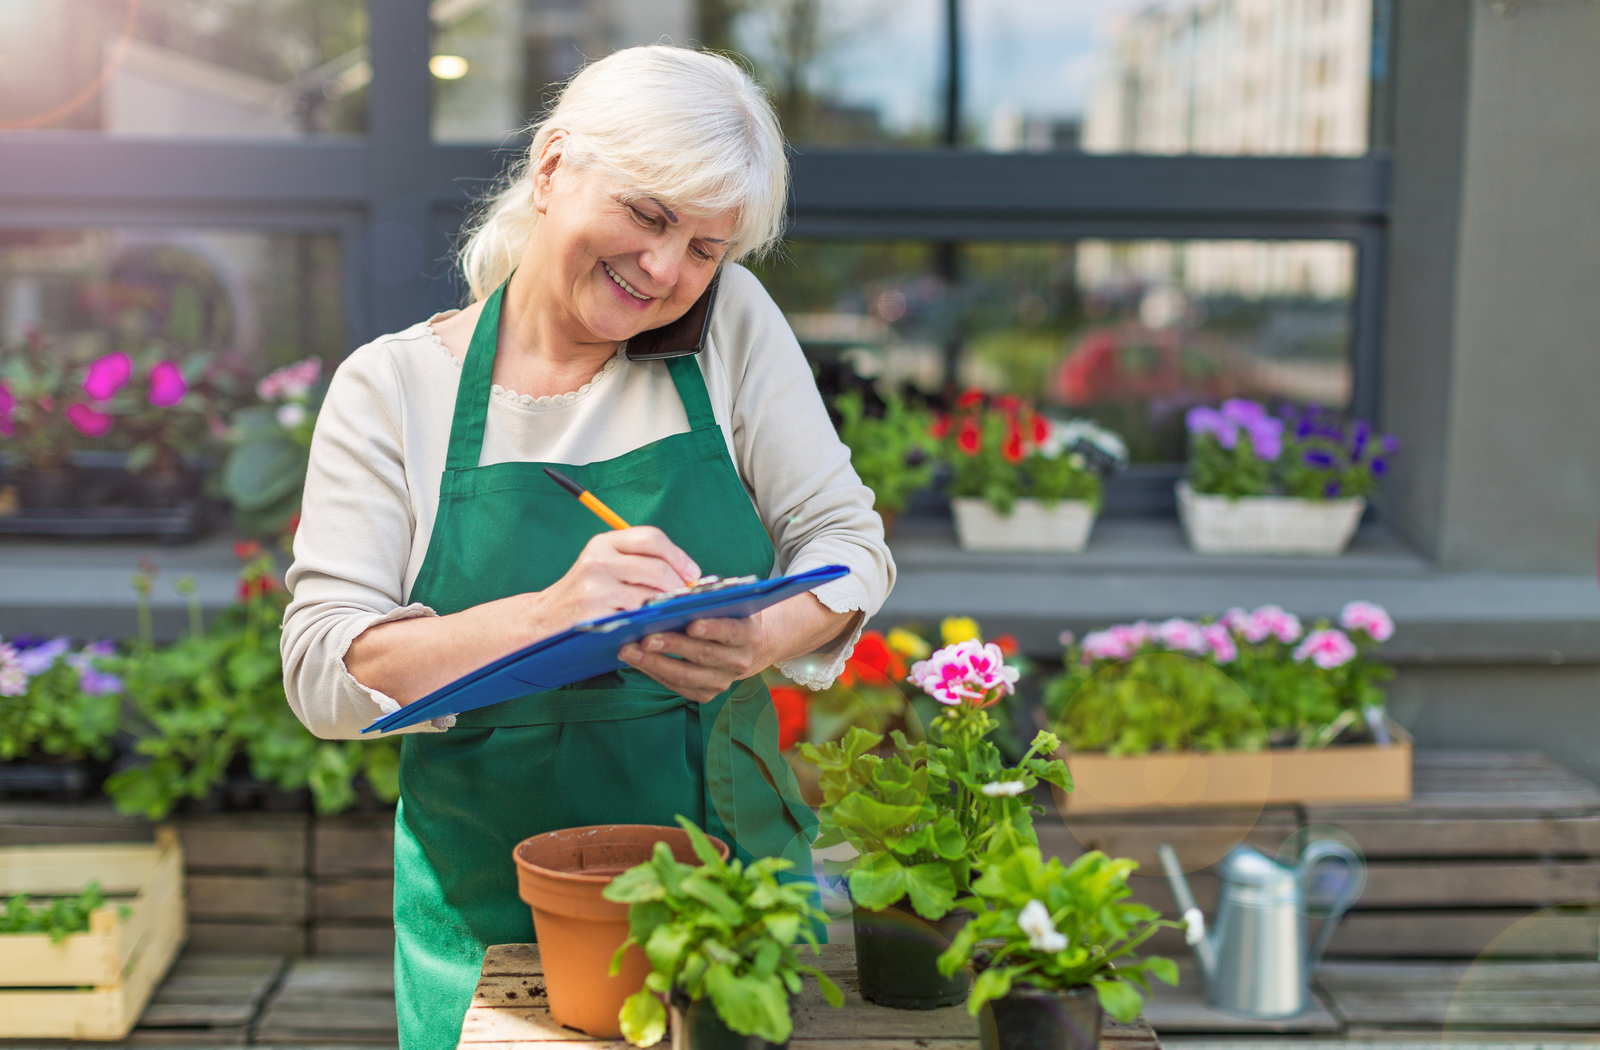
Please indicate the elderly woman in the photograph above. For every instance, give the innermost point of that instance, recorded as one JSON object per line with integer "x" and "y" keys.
{"x": 432, "y": 542}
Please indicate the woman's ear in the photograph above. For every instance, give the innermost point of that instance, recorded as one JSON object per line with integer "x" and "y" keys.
{"x": 544, "y": 171}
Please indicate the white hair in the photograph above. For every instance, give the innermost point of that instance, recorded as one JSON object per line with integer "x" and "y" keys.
{"x": 689, "y": 128}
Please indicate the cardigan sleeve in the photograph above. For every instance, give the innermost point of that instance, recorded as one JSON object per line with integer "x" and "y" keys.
{"x": 796, "y": 468}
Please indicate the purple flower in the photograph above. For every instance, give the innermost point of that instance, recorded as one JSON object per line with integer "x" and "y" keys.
{"x": 1379, "y": 467}
{"x": 1302, "y": 429}
{"x": 91, "y": 679}
{"x": 1391, "y": 444}
{"x": 1266, "y": 435}
{"x": 1317, "y": 458}
{"x": 107, "y": 375}
{"x": 1204, "y": 420}
{"x": 1359, "y": 433}
{"x": 1245, "y": 412}
{"x": 1331, "y": 489}
{"x": 40, "y": 658}
{"x": 167, "y": 385}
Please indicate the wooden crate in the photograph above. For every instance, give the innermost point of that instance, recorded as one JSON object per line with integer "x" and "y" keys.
{"x": 120, "y": 959}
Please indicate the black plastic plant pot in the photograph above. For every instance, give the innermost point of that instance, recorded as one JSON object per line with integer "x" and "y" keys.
{"x": 696, "y": 1026}
{"x": 897, "y": 952}
{"x": 1030, "y": 1018}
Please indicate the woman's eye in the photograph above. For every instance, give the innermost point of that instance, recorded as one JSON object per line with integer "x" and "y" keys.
{"x": 644, "y": 220}
{"x": 701, "y": 253}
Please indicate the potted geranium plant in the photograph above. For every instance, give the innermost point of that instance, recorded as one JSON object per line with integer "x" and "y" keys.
{"x": 42, "y": 423}
{"x": 1246, "y": 708}
{"x": 264, "y": 474}
{"x": 1053, "y": 947}
{"x": 1292, "y": 483}
{"x": 893, "y": 453}
{"x": 58, "y": 714}
{"x": 921, "y": 817}
{"x": 720, "y": 937}
{"x": 1021, "y": 481}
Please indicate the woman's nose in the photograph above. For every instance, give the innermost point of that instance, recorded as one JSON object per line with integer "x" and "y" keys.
{"x": 663, "y": 265}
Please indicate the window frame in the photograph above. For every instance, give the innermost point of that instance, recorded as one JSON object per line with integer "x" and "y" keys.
{"x": 396, "y": 174}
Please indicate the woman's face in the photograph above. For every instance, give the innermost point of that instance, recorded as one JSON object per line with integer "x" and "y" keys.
{"x": 622, "y": 264}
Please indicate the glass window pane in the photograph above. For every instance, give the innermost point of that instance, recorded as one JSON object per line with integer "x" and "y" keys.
{"x": 1280, "y": 77}
{"x": 246, "y": 299}
{"x": 841, "y": 71}
{"x": 274, "y": 69}
{"x": 1131, "y": 333}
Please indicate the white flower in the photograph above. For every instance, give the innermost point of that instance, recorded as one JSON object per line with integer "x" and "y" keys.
{"x": 1004, "y": 788}
{"x": 291, "y": 415}
{"x": 1042, "y": 933}
{"x": 1194, "y": 926}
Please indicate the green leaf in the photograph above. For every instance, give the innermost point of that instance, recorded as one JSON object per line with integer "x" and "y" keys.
{"x": 756, "y": 1006}
{"x": 700, "y": 844}
{"x": 643, "y": 1018}
{"x": 1161, "y": 969}
{"x": 874, "y": 817}
{"x": 932, "y": 889}
{"x": 1118, "y": 998}
{"x": 992, "y": 983}
{"x": 713, "y": 896}
{"x": 667, "y": 940}
{"x": 877, "y": 885}
{"x": 830, "y": 991}
{"x": 948, "y": 839}
{"x": 262, "y": 472}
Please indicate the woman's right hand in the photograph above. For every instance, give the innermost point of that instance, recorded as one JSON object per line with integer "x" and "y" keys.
{"x": 617, "y": 572}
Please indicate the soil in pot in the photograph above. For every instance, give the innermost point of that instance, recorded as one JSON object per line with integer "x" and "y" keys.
{"x": 560, "y": 875}
{"x": 1029, "y": 1018}
{"x": 896, "y": 957}
{"x": 697, "y": 1026}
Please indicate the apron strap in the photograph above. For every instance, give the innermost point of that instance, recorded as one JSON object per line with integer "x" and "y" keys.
{"x": 472, "y": 394}
{"x": 691, "y": 384}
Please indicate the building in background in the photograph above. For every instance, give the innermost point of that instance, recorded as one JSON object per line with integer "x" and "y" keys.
{"x": 1231, "y": 77}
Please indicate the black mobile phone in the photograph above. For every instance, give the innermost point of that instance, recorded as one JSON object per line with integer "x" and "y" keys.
{"x": 682, "y": 337}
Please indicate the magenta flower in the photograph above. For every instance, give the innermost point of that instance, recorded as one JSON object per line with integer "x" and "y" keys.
{"x": 965, "y": 672}
{"x": 291, "y": 382}
{"x": 1220, "y": 639}
{"x": 1182, "y": 636}
{"x": 167, "y": 385}
{"x": 1369, "y": 618}
{"x": 88, "y": 421}
{"x": 107, "y": 375}
{"x": 1328, "y": 648}
{"x": 1270, "y": 621}
{"x": 8, "y": 405}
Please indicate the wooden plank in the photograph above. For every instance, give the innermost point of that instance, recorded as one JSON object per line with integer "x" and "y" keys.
{"x": 353, "y": 845}
{"x": 336, "y": 977}
{"x": 1515, "y": 836}
{"x": 1490, "y": 884}
{"x": 343, "y": 939}
{"x": 267, "y": 843}
{"x": 1399, "y": 976}
{"x": 118, "y": 867}
{"x": 1182, "y": 1009}
{"x": 1200, "y": 839}
{"x": 354, "y": 898}
{"x": 505, "y": 960}
{"x": 249, "y": 898}
{"x": 287, "y": 938}
{"x": 1551, "y": 933}
{"x": 1558, "y": 1009}
{"x": 61, "y": 823}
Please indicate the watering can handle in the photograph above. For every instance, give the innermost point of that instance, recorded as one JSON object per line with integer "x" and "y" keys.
{"x": 1316, "y": 853}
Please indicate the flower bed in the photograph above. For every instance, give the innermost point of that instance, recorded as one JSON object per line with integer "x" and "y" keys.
{"x": 1247, "y": 708}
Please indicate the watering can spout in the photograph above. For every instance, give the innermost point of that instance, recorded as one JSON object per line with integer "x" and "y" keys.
{"x": 1204, "y": 945}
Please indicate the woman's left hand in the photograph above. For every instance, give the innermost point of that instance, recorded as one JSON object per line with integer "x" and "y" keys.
{"x": 715, "y": 654}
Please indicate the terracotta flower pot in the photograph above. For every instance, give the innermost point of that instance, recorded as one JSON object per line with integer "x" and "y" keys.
{"x": 560, "y": 875}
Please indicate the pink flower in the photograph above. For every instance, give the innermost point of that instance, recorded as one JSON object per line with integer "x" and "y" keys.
{"x": 167, "y": 385}
{"x": 1235, "y": 620}
{"x": 965, "y": 672}
{"x": 1066, "y": 638}
{"x": 1220, "y": 639}
{"x": 1182, "y": 635}
{"x": 1327, "y": 649}
{"x": 292, "y": 382}
{"x": 1270, "y": 621}
{"x": 13, "y": 679}
{"x": 1368, "y": 617}
{"x": 8, "y": 405}
{"x": 88, "y": 421}
{"x": 107, "y": 375}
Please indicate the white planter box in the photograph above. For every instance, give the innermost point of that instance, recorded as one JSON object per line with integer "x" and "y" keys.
{"x": 1267, "y": 524}
{"x": 1031, "y": 526}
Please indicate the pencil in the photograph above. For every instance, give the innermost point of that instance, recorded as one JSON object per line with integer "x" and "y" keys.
{"x": 588, "y": 499}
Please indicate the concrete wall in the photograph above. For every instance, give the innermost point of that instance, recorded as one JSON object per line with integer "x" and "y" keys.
{"x": 1493, "y": 330}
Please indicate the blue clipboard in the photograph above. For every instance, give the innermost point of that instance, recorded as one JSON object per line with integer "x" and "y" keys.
{"x": 590, "y": 648}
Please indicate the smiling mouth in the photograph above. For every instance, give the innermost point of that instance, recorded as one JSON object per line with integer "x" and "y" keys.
{"x": 624, "y": 285}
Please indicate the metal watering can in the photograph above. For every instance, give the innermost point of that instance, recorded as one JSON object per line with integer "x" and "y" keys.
{"x": 1257, "y": 962}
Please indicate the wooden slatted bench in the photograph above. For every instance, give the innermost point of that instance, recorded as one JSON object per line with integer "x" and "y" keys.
{"x": 510, "y": 1009}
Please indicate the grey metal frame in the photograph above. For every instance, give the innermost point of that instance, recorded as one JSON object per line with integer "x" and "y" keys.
{"x": 394, "y": 183}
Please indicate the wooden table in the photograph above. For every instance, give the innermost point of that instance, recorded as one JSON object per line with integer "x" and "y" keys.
{"x": 509, "y": 1010}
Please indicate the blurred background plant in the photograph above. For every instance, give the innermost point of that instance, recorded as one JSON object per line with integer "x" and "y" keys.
{"x": 59, "y": 701}
{"x": 891, "y": 447}
{"x": 1000, "y": 450}
{"x": 269, "y": 446}
{"x": 1242, "y": 449}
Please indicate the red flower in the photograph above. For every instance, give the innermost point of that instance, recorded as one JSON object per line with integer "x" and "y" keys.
{"x": 1041, "y": 429}
{"x": 294, "y": 524}
{"x": 873, "y": 661}
{"x": 1012, "y": 448}
{"x": 971, "y": 399}
{"x": 790, "y": 704}
{"x": 940, "y": 427}
{"x": 1008, "y": 403}
{"x": 261, "y": 585}
{"x": 1007, "y": 644}
{"x": 969, "y": 438}
{"x": 245, "y": 550}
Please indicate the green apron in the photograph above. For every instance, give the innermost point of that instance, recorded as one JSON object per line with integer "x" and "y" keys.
{"x": 617, "y": 749}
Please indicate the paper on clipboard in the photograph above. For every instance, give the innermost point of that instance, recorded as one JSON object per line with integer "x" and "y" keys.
{"x": 590, "y": 648}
